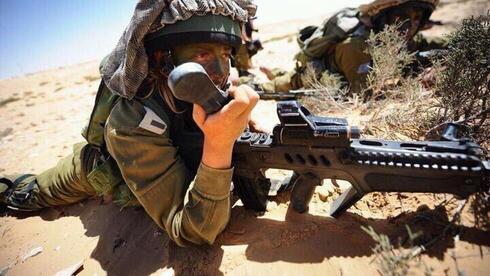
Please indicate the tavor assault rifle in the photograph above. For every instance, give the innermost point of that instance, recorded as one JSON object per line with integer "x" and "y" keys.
{"x": 317, "y": 148}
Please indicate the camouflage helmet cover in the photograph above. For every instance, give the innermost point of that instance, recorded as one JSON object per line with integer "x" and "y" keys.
{"x": 125, "y": 68}
{"x": 374, "y": 8}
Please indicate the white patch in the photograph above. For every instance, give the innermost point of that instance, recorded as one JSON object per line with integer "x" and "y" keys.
{"x": 364, "y": 68}
{"x": 347, "y": 23}
{"x": 152, "y": 122}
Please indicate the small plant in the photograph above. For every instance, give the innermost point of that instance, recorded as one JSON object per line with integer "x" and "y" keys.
{"x": 396, "y": 261}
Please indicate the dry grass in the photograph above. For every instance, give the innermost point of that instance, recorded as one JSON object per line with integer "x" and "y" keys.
{"x": 399, "y": 106}
{"x": 329, "y": 93}
{"x": 8, "y": 100}
{"x": 90, "y": 78}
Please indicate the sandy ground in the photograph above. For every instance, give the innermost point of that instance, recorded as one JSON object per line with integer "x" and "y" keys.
{"x": 42, "y": 115}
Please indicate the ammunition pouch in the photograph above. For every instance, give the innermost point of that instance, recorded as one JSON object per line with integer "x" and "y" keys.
{"x": 104, "y": 176}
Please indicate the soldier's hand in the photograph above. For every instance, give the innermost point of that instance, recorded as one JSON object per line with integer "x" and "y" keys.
{"x": 222, "y": 128}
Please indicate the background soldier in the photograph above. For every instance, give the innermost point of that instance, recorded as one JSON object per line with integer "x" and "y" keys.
{"x": 250, "y": 47}
{"x": 339, "y": 45}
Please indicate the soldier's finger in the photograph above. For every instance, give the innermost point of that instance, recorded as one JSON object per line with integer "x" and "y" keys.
{"x": 253, "y": 98}
{"x": 237, "y": 105}
{"x": 198, "y": 114}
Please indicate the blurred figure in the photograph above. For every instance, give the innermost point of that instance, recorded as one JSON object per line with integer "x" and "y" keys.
{"x": 249, "y": 47}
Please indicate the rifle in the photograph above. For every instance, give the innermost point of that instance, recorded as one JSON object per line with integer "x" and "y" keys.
{"x": 318, "y": 148}
{"x": 285, "y": 96}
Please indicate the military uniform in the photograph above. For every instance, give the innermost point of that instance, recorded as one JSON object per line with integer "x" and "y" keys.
{"x": 140, "y": 152}
{"x": 348, "y": 58}
{"x": 242, "y": 59}
{"x": 188, "y": 199}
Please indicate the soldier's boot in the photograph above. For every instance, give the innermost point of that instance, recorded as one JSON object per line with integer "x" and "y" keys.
{"x": 19, "y": 193}
{"x": 283, "y": 83}
{"x": 66, "y": 183}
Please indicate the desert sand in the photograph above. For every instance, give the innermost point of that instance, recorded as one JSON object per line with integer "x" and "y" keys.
{"x": 43, "y": 113}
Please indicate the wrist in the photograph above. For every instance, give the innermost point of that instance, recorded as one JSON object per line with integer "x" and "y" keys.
{"x": 217, "y": 156}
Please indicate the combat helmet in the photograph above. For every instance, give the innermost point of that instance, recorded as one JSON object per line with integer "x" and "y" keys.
{"x": 376, "y": 7}
{"x": 202, "y": 26}
{"x": 205, "y": 28}
{"x": 376, "y": 13}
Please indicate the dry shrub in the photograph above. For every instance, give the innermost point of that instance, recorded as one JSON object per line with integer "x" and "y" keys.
{"x": 463, "y": 94}
{"x": 401, "y": 108}
{"x": 389, "y": 55}
{"x": 402, "y": 120}
{"x": 463, "y": 88}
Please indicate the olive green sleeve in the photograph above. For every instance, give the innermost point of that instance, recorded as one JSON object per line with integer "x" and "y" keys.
{"x": 350, "y": 60}
{"x": 150, "y": 165}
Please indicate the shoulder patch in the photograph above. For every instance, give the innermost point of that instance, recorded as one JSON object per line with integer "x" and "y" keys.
{"x": 152, "y": 122}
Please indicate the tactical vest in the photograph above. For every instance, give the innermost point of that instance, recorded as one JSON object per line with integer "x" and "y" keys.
{"x": 317, "y": 41}
{"x": 106, "y": 177}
